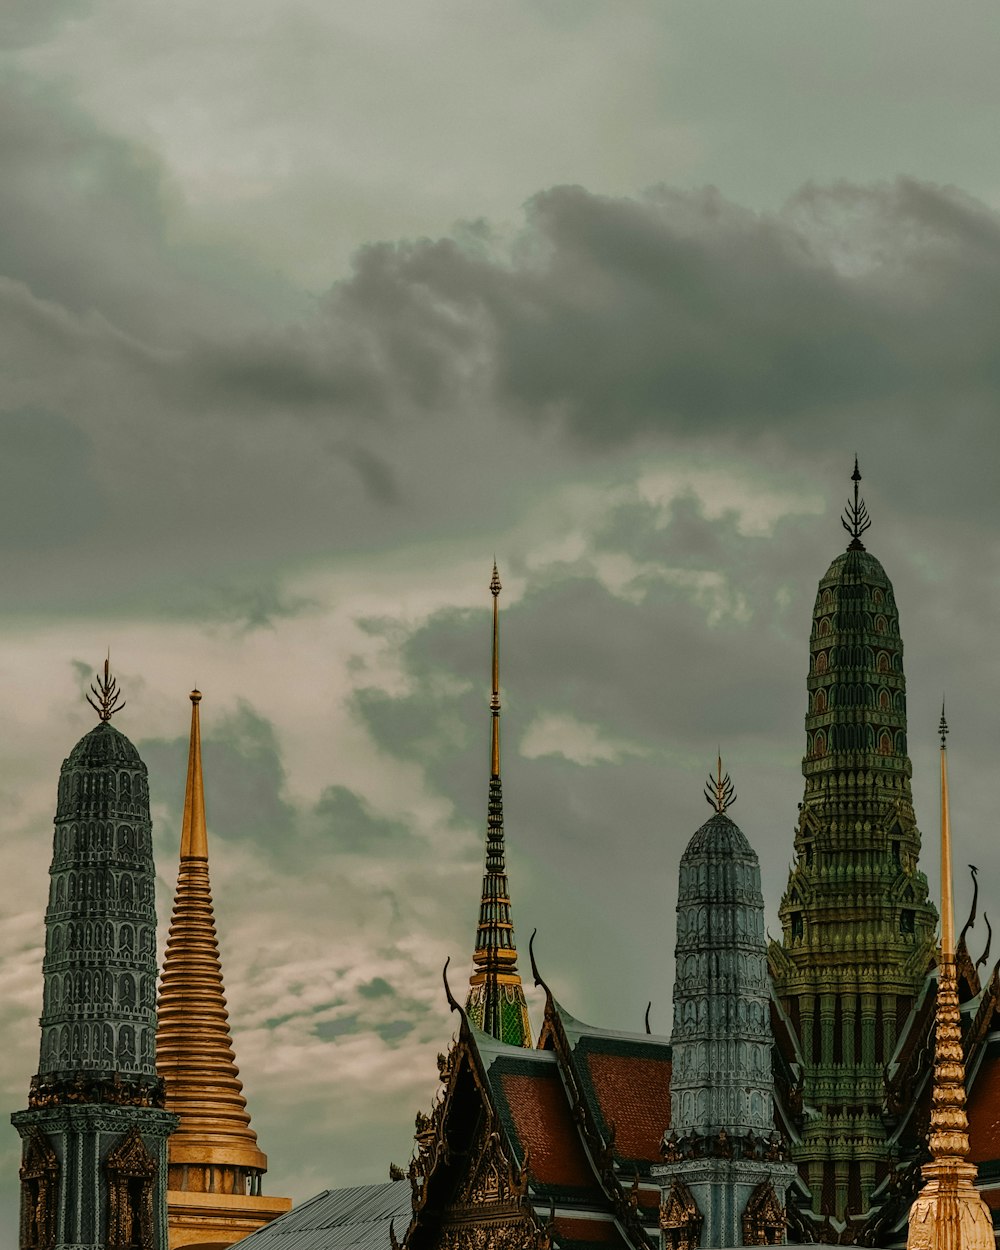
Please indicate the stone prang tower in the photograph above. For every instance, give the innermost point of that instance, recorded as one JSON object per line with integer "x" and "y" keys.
{"x": 725, "y": 1180}
{"x": 93, "y": 1173}
{"x": 858, "y": 929}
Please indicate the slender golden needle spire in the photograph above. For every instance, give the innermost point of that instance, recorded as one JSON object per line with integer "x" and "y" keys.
{"x": 948, "y": 1214}
{"x": 215, "y": 1164}
{"x": 194, "y": 833}
{"x": 495, "y": 589}
{"x": 496, "y": 1001}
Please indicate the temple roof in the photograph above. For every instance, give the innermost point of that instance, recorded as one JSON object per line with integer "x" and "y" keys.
{"x": 355, "y": 1218}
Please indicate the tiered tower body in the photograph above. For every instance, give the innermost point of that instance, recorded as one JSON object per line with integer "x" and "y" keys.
{"x": 496, "y": 1002}
{"x": 214, "y": 1196}
{"x": 722, "y": 1143}
{"x": 93, "y": 1175}
{"x": 857, "y": 926}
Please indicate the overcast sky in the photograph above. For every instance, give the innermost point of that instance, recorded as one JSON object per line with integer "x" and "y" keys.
{"x": 308, "y": 309}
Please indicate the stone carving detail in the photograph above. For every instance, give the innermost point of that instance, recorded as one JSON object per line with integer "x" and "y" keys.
{"x": 764, "y": 1218}
{"x": 39, "y": 1193}
{"x": 131, "y": 1172}
{"x": 680, "y": 1219}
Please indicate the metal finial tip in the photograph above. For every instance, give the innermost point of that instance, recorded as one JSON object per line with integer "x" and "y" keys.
{"x": 720, "y": 792}
{"x": 943, "y": 729}
{"x": 856, "y": 475}
{"x": 106, "y": 693}
{"x": 495, "y": 586}
{"x": 196, "y": 695}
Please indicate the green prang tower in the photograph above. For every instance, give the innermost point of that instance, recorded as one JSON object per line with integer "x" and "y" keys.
{"x": 858, "y": 931}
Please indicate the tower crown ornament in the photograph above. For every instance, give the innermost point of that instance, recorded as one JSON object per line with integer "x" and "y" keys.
{"x": 856, "y": 519}
{"x": 719, "y": 792}
{"x": 107, "y": 693}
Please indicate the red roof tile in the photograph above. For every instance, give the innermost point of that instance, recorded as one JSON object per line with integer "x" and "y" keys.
{"x": 984, "y": 1112}
{"x": 545, "y": 1128}
{"x": 634, "y": 1094}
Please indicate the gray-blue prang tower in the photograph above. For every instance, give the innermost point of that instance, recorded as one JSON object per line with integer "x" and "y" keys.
{"x": 93, "y": 1171}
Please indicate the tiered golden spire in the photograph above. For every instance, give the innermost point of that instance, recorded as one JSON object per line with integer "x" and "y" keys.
{"x": 948, "y": 1213}
{"x": 215, "y": 1164}
{"x": 496, "y": 1001}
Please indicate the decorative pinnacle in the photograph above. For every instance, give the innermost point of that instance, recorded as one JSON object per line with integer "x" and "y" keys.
{"x": 495, "y": 589}
{"x": 719, "y": 793}
{"x": 943, "y": 729}
{"x": 856, "y": 519}
{"x": 107, "y": 693}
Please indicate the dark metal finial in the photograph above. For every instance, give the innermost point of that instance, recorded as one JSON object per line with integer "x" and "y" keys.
{"x": 943, "y": 729}
{"x": 719, "y": 793}
{"x": 495, "y": 586}
{"x": 105, "y": 690}
{"x": 648, "y": 1007}
{"x": 856, "y": 519}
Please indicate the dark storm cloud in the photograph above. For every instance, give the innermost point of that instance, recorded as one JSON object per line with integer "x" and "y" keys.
{"x": 679, "y": 312}
{"x": 26, "y": 22}
{"x": 244, "y": 781}
{"x": 87, "y": 224}
{"x": 47, "y": 491}
{"x": 348, "y": 824}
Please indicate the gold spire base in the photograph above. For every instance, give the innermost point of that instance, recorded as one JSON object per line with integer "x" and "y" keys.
{"x": 215, "y": 1221}
{"x": 948, "y": 1213}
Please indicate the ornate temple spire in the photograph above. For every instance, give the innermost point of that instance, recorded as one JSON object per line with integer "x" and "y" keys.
{"x": 94, "y": 1161}
{"x": 496, "y": 1001}
{"x": 724, "y": 1159}
{"x": 215, "y": 1165}
{"x": 948, "y": 1214}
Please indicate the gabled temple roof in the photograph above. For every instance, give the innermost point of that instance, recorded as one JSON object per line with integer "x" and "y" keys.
{"x": 625, "y": 1080}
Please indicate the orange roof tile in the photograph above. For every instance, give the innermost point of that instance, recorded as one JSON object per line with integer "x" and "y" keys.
{"x": 634, "y": 1094}
{"x": 984, "y": 1111}
{"x": 545, "y": 1129}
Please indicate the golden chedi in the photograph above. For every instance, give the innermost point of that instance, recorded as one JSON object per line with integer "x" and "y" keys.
{"x": 948, "y": 1213}
{"x": 215, "y": 1165}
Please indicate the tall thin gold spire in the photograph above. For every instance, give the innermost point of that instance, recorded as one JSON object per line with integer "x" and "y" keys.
{"x": 495, "y": 589}
{"x": 194, "y": 832}
{"x": 496, "y": 1001}
{"x": 948, "y": 1214}
{"x": 214, "y": 1163}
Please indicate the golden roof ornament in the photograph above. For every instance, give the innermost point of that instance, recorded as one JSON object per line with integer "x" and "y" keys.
{"x": 719, "y": 792}
{"x": 948, "y": 1213}
{"x": 107, "y": 693}
{"x": 856, "y": 519}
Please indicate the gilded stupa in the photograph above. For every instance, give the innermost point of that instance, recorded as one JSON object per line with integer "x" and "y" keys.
{"x": 214, "y": 1163}
{"x": 949, "y": 1213}
{"x": 496, "y": 1002}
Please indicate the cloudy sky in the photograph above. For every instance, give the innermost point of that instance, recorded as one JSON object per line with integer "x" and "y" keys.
{"x": 308, "y": 309}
